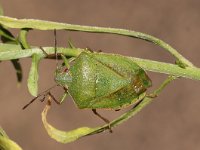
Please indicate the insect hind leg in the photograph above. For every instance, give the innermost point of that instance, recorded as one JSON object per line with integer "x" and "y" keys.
{"x": 104, "y": 119}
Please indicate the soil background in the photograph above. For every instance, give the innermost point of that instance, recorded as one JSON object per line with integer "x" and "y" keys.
{"x": 170, "y": 122}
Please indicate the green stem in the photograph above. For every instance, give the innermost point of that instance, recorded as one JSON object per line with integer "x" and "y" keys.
{"x": 124, "y": 117}
{"x": 167, "y": 68}
{"x": 48, "y": 25}
{"x": 11, "y": 51}
{"x": 23, "y": 38}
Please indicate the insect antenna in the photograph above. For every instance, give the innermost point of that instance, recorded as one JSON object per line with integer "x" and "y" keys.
{"x": 47, "y": 92}
{"x": 55, "y": 46}
{"x": 44, "y": 94}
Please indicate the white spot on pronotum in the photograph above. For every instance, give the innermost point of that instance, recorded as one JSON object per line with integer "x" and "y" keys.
{"x": 97, "y": 80}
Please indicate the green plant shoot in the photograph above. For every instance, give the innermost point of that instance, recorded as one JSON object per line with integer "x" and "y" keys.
{"x": 94, "y": 80}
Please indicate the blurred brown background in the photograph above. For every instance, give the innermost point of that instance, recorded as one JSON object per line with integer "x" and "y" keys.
{"x": 170, "y": 122}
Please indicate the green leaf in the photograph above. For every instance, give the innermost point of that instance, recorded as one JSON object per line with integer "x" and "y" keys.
{"x": 13, "y": 51}
{"x": 7, "y": 37}
{"x": 62, "y": 136}
{"x": 49, "y": 25}
{"x": 33, "y": 75}
{"x": 23, "y": 38}
{"x": 6, "y": 143}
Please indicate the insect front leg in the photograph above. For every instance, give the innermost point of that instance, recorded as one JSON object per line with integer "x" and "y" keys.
{"x": 104, "y": 119}
{"x": 46, "y": 54}
{"x": 42, "y": 96}
{"x": 63, "y": 98}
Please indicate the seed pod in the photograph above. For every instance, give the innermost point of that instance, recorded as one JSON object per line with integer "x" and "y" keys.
{"x": 99, "y": 80}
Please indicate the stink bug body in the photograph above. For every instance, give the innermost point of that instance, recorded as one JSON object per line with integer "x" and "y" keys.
{"x": 99, "y": 80}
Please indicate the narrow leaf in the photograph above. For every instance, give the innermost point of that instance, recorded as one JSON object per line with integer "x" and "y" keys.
{"x": 6, "y": 36}
{"x": 6, "y": 143}
{"x": 33, "y": 75}
{"x": 62, "y": 136}
{"x": 23, "y": 38}
{"x": 13, "y": 51}
{"x": 49, "y": 25}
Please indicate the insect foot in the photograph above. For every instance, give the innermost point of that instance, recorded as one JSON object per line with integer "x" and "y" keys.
{"x": 152, "y": 95}
{"x": 104, "y": 119}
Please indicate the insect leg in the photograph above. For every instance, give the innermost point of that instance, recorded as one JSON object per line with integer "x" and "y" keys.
{"x": 64, "y": 95}
{"x": 53, "y": 98}
{"x": 104, "y": 119}
{"x": 152, "y": 95}
{"x": 55, "y": 54}
{"x": 66, "y": 61}
{"x": 29, "y": 103}
{"x": 138, "y": 102}
{"x": 46, "y": 54}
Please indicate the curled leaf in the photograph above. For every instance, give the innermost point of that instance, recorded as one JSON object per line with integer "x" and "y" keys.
{"x": 33, "y": 75}
{"x": 62, "y": 136}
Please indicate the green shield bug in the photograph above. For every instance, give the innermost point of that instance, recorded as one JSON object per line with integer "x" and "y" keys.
{"x": 99, "y": 80}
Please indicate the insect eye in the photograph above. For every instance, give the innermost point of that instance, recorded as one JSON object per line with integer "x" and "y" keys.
{"x": 66, "y": 70}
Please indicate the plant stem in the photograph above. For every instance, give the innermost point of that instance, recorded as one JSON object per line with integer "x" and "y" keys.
{"x": 11, "y": 51}
{"x": 167, "y": 68}
{"x": 147, "y": 100}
